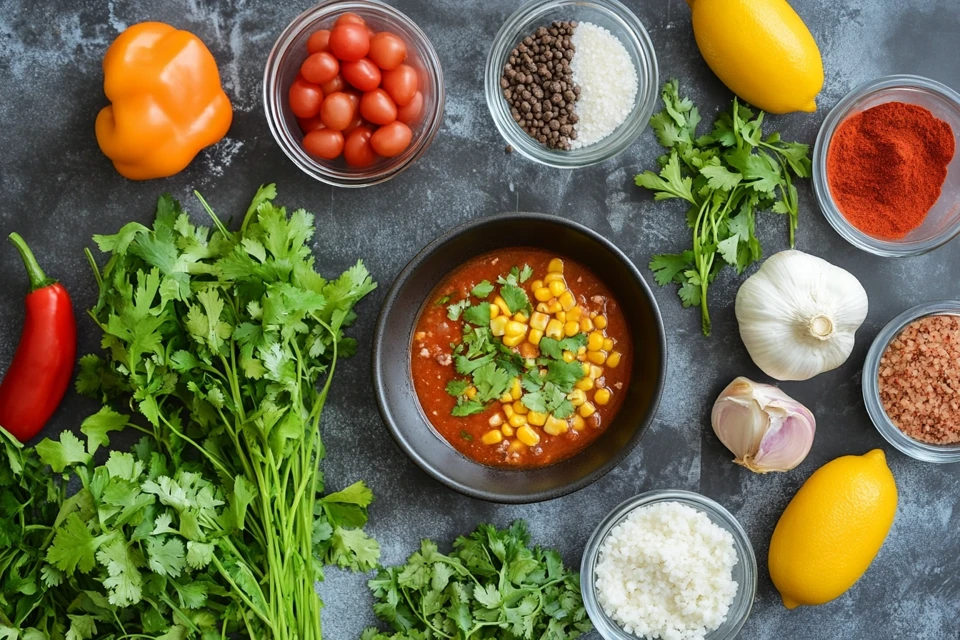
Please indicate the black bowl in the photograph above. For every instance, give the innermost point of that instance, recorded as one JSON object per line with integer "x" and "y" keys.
{"x": 393, "y": 341}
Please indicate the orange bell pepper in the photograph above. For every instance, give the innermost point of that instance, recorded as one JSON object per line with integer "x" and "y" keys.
{"x": 167, "y": 101}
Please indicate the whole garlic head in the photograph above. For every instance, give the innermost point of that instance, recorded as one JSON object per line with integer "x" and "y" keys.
{"x": 798, "y": 315}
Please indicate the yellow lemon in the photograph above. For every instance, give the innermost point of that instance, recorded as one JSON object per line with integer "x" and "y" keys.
{"x": 761, "y": 50}
{"x": 832, "y": 529}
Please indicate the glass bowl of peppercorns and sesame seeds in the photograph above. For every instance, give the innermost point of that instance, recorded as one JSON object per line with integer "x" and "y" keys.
{"x": 570, "y": 83}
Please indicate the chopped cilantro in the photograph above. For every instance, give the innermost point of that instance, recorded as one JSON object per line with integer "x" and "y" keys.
{"x": 491, "y": 381}
{"x": 467, "y": 408}
{"x": 466, "y": 436}
{"x": 516, "y": 298}
{"x": 554, "y": 348}
{"x": 442, "y": 300}
{"x": 478, "y": 314}
{"x": 564, "y": 374}
{"x": 454, "y": 310}
{"x": 482, "y": 290}
{"x": 465, "y": 365}
{"x": 563, "y": 410}
{"x": 525, "y": 273}
{"x": 457, "y": 387}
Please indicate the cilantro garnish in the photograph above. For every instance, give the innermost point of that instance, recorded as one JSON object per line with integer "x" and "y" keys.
{"x": 725, "y": 176}
{"x": 455, "y": 309}
{"x": 478, "y": 314}
{"x": 482, "y": 290}
{"x": 516, "y": 299}
{"x": 492, "y": 585}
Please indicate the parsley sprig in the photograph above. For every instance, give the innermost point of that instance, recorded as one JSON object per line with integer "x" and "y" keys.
{"x": 492, "y": 585}
{"x": 725, "y": 176}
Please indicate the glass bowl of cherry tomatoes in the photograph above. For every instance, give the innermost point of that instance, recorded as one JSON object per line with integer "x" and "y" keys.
{"x": 353, "y": 92}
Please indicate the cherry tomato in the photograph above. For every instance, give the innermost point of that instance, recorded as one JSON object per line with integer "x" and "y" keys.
{"x": 401, "y": 84}
{"x": 337, "y": 111}
{"x": 357, "y": 150}
{"x": 362, "y": 74}
{"x": 377, "y": 107}
{"x": 332, "y": 86}
{"x": 320, "y": 67}
{"x": 309, "y": 124}
{"x": 387, "y": 50}
{"x": 391, "y": 139}
{"x": 357, "y": 122}
{"x": 354, "y": 96}
{"x": 326, "y": 143}
{"x": 305, "y": 98}
{"x": 410, "y": 113}
{"x": 319, "y": 41}
{"x": 350, "y": 18}
{"x": 349, "y": 41}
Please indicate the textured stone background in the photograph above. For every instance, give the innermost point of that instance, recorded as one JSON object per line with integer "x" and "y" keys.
{"x": 57, "y": 190}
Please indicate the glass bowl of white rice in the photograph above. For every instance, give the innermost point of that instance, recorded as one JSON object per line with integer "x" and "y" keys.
{"x": 669, "y": 564}
{"x": 615, "y": 70}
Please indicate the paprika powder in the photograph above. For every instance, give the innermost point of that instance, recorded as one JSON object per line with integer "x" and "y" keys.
{"x": 886, "y": 166}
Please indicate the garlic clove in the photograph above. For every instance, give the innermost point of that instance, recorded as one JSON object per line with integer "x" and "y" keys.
{"x": 766, "y": 429}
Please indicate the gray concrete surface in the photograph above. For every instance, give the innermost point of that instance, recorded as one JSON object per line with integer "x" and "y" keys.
{"x": 57, "y": 190}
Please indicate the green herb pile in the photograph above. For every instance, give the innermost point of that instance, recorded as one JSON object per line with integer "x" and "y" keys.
{"x": 490, "y": 367}
{"x": 726, "y": 176}
{"x": 215, "y": 523}
{"x": 491, "y": 586}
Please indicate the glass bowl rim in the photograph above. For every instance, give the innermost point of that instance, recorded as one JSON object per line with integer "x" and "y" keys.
{"x": 591, "y": 553}
{"x": 836, "y": 116}
{"x": 916, "y": 449}
{"x": 611, "y": 146}
{"x": 273, "y": 105}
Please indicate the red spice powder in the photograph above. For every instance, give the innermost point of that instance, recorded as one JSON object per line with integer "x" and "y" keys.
{"x": 887, "y": 165}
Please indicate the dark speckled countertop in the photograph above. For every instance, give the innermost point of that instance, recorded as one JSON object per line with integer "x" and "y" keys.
{"x": 58, "y": 190}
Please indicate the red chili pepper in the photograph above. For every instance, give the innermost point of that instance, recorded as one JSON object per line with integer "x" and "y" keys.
{"x": 43, "y": 364}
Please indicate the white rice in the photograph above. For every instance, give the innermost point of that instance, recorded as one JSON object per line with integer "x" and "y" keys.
{"x": 666, "y": 572}
{"x": 608, "y": 83}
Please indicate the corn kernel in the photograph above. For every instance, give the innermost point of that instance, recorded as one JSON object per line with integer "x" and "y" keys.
{"x": 542, "y": 294}
{"x": 534, "y": 336}
{"x": 492, "y": 437}
{"x": 516, "y": 447}
{"x": 596, "y": 357}
{"x": 536, "y": 418}
{"x": 543, "y": 307}
{"x": 555, "y": 307}
{"x": 579, "y": 424}
{"x": 494, "y": 311}
{"x": 512, "y": 341}
{"x": 553, "y": 277}
{"x": 508, "y": 410}
{"x": 556, "y": 288}
{"x": 595, "y": 371}
{"x": 586, "y": 325}
{"x": 608, "y": 344}
{"x": 554, "y": 330}
{"x": 515, "y": 390}
{"x": 520, "y": 316}
{"x": 561, "y": 316}
{"x": 571, "y": 329}
{"x": 613, "y": 359}
{"x": 600, "y": 322}
{"x": 555, "y": 266}
{"x": 515, "y": 328}
{"x": 587, "y": 409}
{"x": 586, "y": 368}
{"x": 575, "y": 314}
{"x": 495, "y": 420}
{"x": 498, "y": 326}
{"x": 536, "y": 284}
{"x": 528, "y": 350}
{"x": 471, "y": 392}
{"x": 594, "y": 340}
{"x": 506, "y": 398}
{"x": 582, "y": 357}
{"x": 528, "y": 436}
{"x": 519, "y": 407}
{"x": 555, "y": 427}
{"x": 585, "y": 384}
{"x": 507, "y": 430}
{"x": 577, "y": 397}
{"x": 602, "y": 396}
{"x": 581, "y": 351}
{"x": 567, "y": 301}
{"x": 516, "y": 420}
{"x": 539, "y": 321}
{"x": 569, "y": 356}
{"x": 500, "y": 302}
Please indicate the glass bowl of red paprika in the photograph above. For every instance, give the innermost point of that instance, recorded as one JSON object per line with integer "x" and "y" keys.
{"x": 885, "y": 168}
{"x": 283, "y": 68}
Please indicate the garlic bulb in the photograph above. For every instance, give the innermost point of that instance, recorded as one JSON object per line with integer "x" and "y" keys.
{"x": 798, "y": 314}
{"x": 764, "y": 427}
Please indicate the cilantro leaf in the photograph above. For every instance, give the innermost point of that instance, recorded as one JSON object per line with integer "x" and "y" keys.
{"x": 455, "y": 309}
{"x": 482, "y": 289}
{"x": 516, "y": 298}
{"x": 491, "y": 381}
{"x": 457, "y": 387}
{"x": 564, "y": 374}
{"x": 667, "y": 266}
{"x": 67, "y": 452}
{"x": 478, "y": 314}
{"x": 466, "y": 408}
{"x": 525, "y": 273}
{"x": 97, "y": 426}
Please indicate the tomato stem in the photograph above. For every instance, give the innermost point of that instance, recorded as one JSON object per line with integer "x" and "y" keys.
{"x": 38, "y": 279}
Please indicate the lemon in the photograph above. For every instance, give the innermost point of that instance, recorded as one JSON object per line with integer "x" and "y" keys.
{"x": 832, "y": 529}
{"x": 761, "y": 50}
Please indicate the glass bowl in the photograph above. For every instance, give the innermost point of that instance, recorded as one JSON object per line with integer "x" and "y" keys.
{"x": 942, "y": 223}
{"x": 283, "y": 65}
{"x": 744, "y": 572}
{"x": 609, "y": 14}
{"x": 941, "y": 453}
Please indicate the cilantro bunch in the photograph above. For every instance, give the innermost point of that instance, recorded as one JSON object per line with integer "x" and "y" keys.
{"x": 493, "y": 585}
{"x": 726, "y": 176}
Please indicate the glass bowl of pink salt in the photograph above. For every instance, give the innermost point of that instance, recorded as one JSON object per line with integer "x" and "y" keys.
{"x": 886, "y": 170}
{"x": 911, "y": 379}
